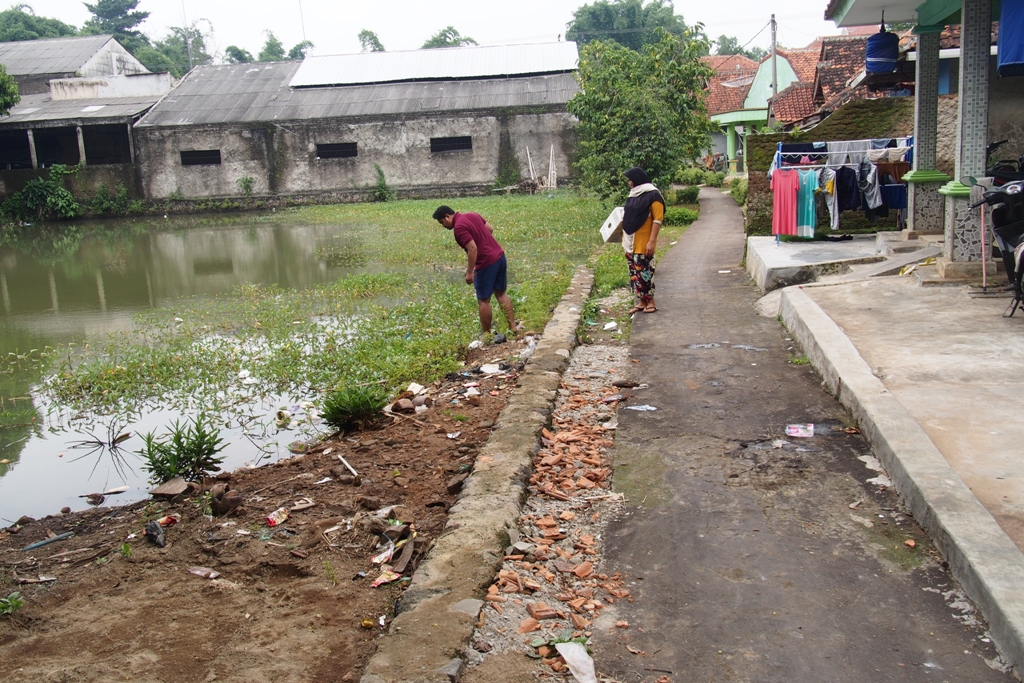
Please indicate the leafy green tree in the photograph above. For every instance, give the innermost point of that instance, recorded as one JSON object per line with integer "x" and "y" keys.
{"x": 627, "y": 22}
{"x": 370, "y": 41}
{"x": 273, "y": 50}
{"x": 300, "y": 50}
{"x": 8, "y": 92}
{"x": 180, "y": 50}
{"x": 729, "y": 45}
{"x": 21, "y": 23}
{"x": 236, "y": 55}
{"x": 643, "y": 108}
{"x": 448, "y": 37}
{"x": 119, "y": 18}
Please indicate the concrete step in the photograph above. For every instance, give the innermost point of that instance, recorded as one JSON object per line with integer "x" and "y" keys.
{"x": 894, "y": 264}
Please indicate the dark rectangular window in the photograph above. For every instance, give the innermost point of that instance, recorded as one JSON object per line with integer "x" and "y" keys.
{"x": 461, "y": 144}
{"x": 201, "y": 157}
{"x": 336, "y": 150}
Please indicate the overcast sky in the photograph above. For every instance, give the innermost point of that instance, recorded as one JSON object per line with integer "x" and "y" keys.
{"x": 332, "y": 25}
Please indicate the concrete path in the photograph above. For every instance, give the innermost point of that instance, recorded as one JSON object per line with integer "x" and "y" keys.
{"x": 755, "y": 557}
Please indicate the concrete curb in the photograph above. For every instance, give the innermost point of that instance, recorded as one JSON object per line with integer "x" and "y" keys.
{"x": 769, "y": 278}
{"x": 981, "y": 556}
{"x": 436, "y": 615}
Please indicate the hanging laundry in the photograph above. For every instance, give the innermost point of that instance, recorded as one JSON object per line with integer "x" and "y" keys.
{"x": 893, "y": 169}
{"x": 846, "y": 188}
{"x": 867, "y": 182}
{"x": 807, "y": 207}
{"x": 827, "y": 185}
{"x": 854, "y": 150}
{"x": 785, "y": 188}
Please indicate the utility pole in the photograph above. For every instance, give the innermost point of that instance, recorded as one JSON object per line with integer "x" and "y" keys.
{"x": 775, "y": 73}
{"x": 303, "y": 20}
{"x": 188, "y": 39}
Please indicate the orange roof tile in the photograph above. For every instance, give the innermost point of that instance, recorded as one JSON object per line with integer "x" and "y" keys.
{"x": 730, "y": 63}
{"x": 794, "y": 103}
{"x": 727, "y": 91}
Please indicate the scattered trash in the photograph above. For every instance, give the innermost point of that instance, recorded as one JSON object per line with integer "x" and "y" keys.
{"x": 613, "y": 398}
{"x": 367, "y": 623}
{"x": 531, "y": 347}
{"x": 581, "y": 665}
{"x": 625, "y": 384}
{"x": 301, "y": 504}
{"x": 416, "y": 388}
{"x": 748, "y": 347}
{"x": 386, "y": 555}
{"x": 387, "y": 575}
{"x": 500, "y": 339}
{"x": 47, "y": 541}
{"x": 323, "y": 481}
{"x": 156, "y": 535}
{"x": 169, "y": 520}
{"x": 610, "y": 326}
{"x": 454, "y": 435}
{"x": 472, "y": 391}
{"x": 711, "y": 345}
{"x": 800, "y": 430}
{"x": 910, "y": 543}
{"x": 278, "y": 516}
{"x": 359, "y": 575}
{"x": 347, "y": 466}
{"x": 203, "y": 572}
{"x": 490, "y": 368}
{"x": 475, "y": 344}
{"x": 723, "y": 272}
{"x": 643, "y": 408}
{"x": 854, "y": 505}
{"x": 38, "y": 579}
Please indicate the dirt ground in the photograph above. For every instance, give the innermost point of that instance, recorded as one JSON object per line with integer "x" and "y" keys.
{"x": 291, "y": 603}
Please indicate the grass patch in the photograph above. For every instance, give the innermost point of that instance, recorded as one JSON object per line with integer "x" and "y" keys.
{"x": 407, "y": 316}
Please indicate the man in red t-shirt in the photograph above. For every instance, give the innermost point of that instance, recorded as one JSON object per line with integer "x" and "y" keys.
{"x": 486, "y": 267}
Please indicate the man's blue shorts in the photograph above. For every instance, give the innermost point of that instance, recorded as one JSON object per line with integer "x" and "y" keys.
{"x": 491, "y": 279}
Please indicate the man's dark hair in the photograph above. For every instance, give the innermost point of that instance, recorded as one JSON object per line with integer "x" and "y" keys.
{"x": 443, "y": 211}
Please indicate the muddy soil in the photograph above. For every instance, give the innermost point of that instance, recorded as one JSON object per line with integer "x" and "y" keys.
{"x": 289, "y": 603}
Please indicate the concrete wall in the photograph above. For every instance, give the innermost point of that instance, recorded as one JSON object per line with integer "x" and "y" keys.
{"x": 135, "y": 85}
{"x": 281, "y": 157}
{"x": 112, "y": 60}
{"x": 83, "y": 184}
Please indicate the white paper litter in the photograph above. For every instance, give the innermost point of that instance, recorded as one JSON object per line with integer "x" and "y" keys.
{"x": 472, "y": 391}
{"x": 416, "y": 388}
{"x": 490, "y": 368}
{"x": 611, "y": 326}
{"x": 642, "y": 408}
{"x": 475, "y": 344}
{"x": 454, "y": 435}
{"x": 581, "y": 665}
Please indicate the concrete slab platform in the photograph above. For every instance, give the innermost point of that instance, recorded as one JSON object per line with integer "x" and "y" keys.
{"x": 933, "y": 377}
{"x": 773, "y": 265}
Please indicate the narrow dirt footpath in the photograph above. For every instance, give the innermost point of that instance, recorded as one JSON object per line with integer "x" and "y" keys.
{"x": 753, "y": 556}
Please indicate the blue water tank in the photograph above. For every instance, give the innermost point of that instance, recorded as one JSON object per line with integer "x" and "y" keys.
{"x": 883, "y": 50}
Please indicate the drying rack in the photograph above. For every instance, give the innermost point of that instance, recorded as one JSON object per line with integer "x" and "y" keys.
{"x": 905, "y": 143}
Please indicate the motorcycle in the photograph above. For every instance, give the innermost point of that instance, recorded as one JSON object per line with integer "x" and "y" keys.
{"x": 1004, "y": 170}
{"x": 1007, "y": 210}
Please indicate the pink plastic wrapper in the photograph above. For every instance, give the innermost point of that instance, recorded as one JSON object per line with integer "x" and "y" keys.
{"x": 387, "y": 575}
{"x": 801, "y": 430}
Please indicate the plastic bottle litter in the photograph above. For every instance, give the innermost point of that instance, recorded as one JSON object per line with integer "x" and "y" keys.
{"x": 278, "y": 516}
{"x": 531, "y": 346}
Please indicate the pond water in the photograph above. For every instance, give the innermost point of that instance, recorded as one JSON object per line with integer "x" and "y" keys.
{"x": 81, "y": 292}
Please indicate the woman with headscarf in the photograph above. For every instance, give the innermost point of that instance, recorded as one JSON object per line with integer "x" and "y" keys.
{"x": 644, "y": 212}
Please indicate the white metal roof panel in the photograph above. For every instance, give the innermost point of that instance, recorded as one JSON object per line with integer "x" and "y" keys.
{"x": 50, "y": 55}
{"x": 487, "y": 61}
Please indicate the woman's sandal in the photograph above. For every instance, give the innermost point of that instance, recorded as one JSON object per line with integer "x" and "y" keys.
{"x": 635, "y": 309}
{"x": 650, "y": 308}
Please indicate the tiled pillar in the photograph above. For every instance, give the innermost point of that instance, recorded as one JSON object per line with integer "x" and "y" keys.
{"x": 963, "y": 226}
{"x": 925, "y": 206}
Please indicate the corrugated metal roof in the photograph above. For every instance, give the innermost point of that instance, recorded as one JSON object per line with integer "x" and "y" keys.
{"x": 259, "y": 92}
{"x": 436, "y": 64}
{"x": 50, "y": 55}
{"x": 34, "y": 109}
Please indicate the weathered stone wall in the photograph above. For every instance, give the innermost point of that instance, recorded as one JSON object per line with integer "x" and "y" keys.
{"x": 83, "y": 184}
{"x": 281, "y": 157}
